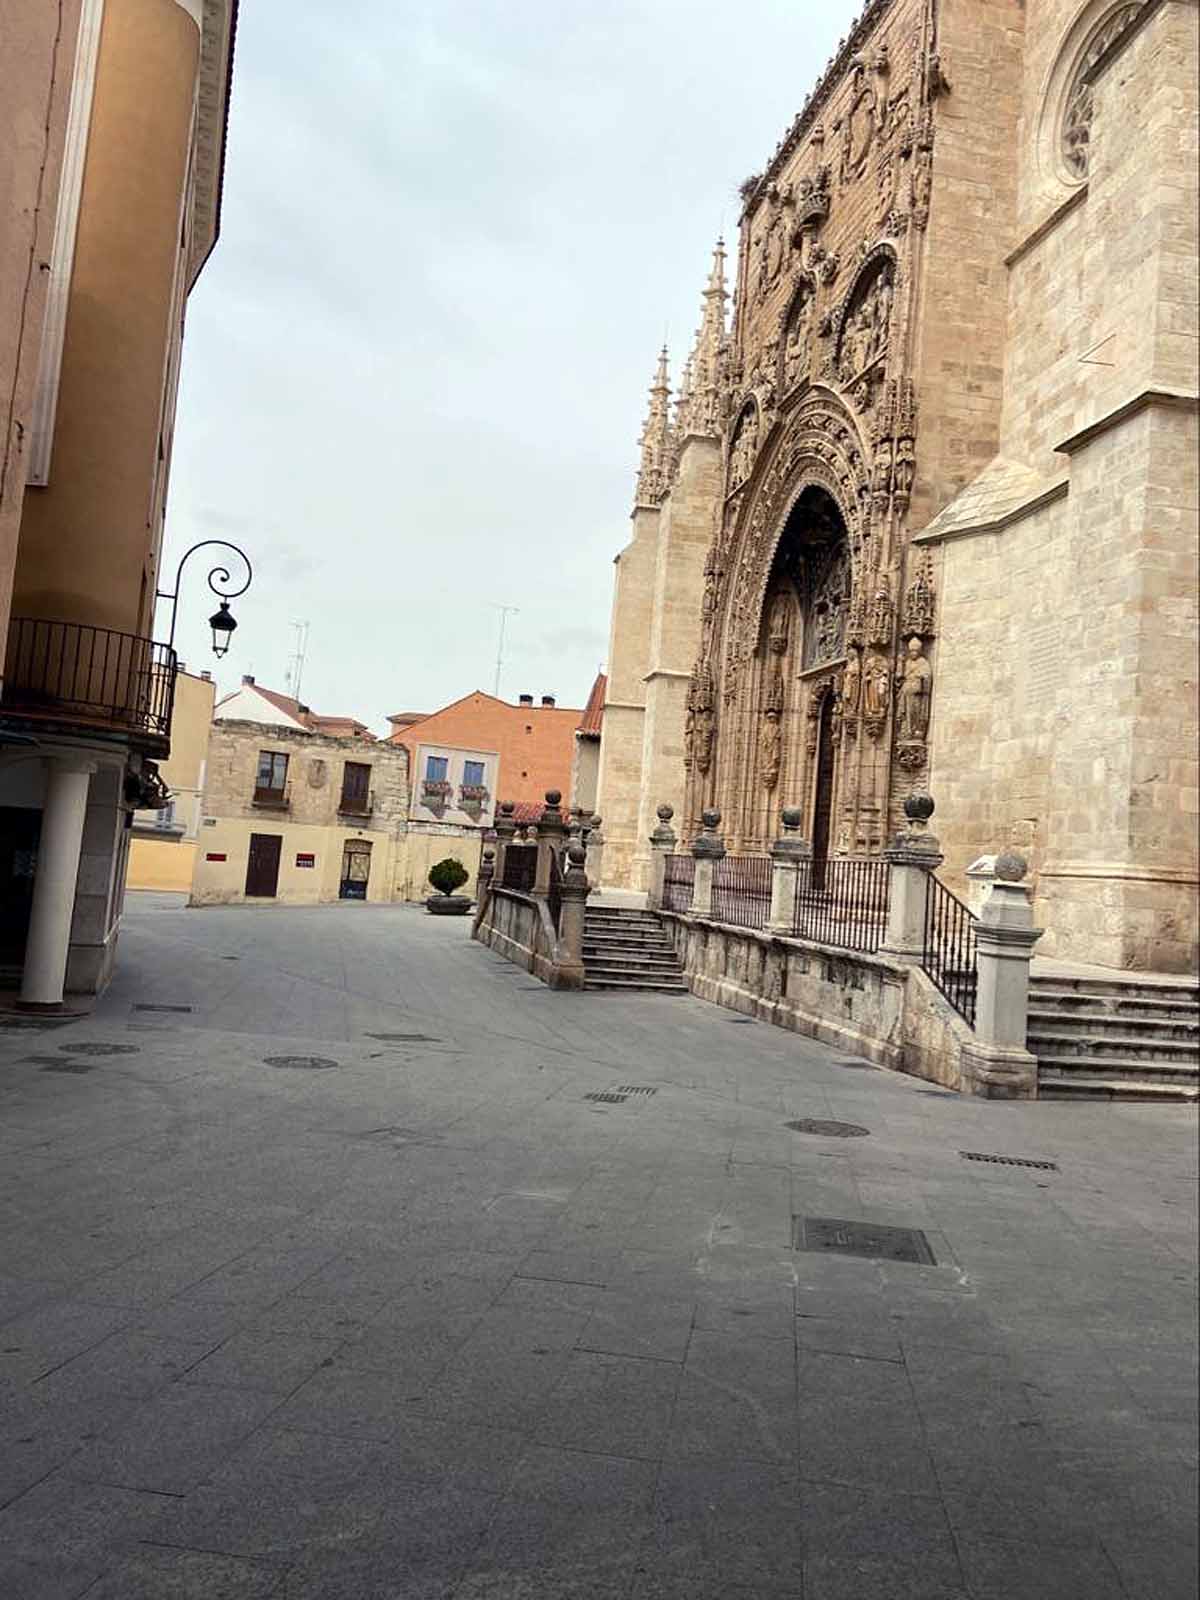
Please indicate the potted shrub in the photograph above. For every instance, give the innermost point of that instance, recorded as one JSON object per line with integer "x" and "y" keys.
{"x": 447, "y": 876}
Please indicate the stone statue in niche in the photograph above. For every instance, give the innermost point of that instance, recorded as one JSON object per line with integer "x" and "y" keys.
{"x": 916, "y": 678}
{"x": 905, "y": 468}
{"x": 852, "y": 683}
{"x": 770, "y": 748}
{"x": 779, "y": 625}
{"x": 877, "y": 695}
{"x": 797, "y": 339}
{"x": 867, "y": 324}
{"x": 879, "y": 620}
{"x": 744, "y": 448}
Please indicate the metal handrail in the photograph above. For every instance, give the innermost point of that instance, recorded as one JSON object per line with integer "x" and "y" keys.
{"x": 741, "y": 891}
{"x": 679, "y": 877}
{"x": 71, "y": 671}
{"x": 843, "y": 901}
{"x": 948, "y": 952}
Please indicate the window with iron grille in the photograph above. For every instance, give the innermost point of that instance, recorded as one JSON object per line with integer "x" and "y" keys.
{"x": 356, "y": 786}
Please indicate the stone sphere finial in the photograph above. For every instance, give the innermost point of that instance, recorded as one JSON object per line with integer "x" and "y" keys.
{"x": 507, "y": 807}
{"x": 553, "y": 797}
{"x": 576, "y": 854}
{"x": 711, "y": 819}
{"x": 1010, "y": 867}
{"x": 791, "y": 817}
{"x": 596, "y": 821}
{"x": 488, "y": 853}
{"x": 665, "y": 813}
{"x": 919, "y": 806}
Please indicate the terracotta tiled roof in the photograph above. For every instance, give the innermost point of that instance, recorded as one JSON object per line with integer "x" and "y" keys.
{"x": 593, "y": 712}
{"x": 335, "y": 727}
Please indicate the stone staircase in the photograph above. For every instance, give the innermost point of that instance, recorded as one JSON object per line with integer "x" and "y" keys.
{"x": 1115, "y": 1039}
{"x": 629, "y": 949}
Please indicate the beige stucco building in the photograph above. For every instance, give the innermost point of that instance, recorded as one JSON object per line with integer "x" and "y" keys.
{"x": 162, "y": 851}
{"x": 300, "y": 818}
{"x": 112, "y": 142}
{"x": 925, "y": 513}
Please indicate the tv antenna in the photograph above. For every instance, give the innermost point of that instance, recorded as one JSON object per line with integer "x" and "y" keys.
{"x": 505, "y": 613}
{"x": 295, "y": 671}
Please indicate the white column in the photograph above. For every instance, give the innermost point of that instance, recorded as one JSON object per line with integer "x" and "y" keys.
{"x": 708, "y": 848}
{"x": 63, "y": 817}
{"x": 662, "y": 844}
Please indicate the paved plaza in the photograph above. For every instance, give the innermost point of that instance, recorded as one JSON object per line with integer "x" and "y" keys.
{"x": 326, "y": 1276}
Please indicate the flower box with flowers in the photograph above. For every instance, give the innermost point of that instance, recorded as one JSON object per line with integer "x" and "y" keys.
{"x": 476, "y": 792}
{"x": 436, "y": 789}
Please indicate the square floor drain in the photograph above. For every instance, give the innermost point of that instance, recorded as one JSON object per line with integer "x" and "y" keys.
{"x": 874, "y": 1240}
{"x": 634, "y": 1088}
{"x": 405, "y": 1038}
{"x": 608, "y": 1098}
{"x": 162, "y": 1008}
{"x": 1009, "y": 1161}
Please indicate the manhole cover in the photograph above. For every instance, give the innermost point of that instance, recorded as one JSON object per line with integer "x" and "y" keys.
{"x": 1009, "y": 1161}
{"x": 301, "y": 1063}
{"x": 405, "y": 1038}
{"x": 78, "y": 1068}
{"x": 634, "y": 1088}
{"x": 231, "y": 958}
{"x": 856, "y": 1066}
{"x": 99, "y": 1049}
{"x": 746, "y": 1022}
{"x": 828, "y": 1130}
{"x": 608, "y": 1098}
{"x": 162, "y": 1008}
{"x": 833, "y": 1235}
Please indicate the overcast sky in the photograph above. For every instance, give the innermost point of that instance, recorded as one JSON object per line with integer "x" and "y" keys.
{"x": 454, "y": 234}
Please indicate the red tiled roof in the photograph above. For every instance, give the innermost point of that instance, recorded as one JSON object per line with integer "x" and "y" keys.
{"x": 335, "y": 727}
{"x": 593, "y": 712}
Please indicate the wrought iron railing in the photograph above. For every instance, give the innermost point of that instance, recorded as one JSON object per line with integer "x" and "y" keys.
{"x": 520, "y": 867}
{"x": 843, "y": 901}
{"x": 741, "y": 891}
{"x": 68, "y": 671}
{"x": 554, "y": 891}
{"x": 948, "y": 952}
{"x": 679, "y": 874}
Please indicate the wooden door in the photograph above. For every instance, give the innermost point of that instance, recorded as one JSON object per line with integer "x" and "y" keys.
{"x": 356, "y": 869}
{"x": 823, "y": 801}
{"x": 262, "y": 869}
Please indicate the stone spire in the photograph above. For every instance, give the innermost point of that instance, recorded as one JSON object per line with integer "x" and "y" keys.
{"x": 702, "y": 411}
{"x": 656, "y": 439}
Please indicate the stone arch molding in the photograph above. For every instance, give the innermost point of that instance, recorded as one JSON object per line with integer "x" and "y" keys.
{"x": 819, "y": 446}
{"x": 878, "y": 259}
{"x": 1054, "y": 174}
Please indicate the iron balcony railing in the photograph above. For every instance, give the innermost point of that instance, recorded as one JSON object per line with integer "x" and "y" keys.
{"x": 948, "y": 954}
{"x": 520, "y": 868}
{"x": 843, "y": 901}
{"x": 741, "y": 891}
{"x": 71, "y": 672}
{"x": 679, "y": 874}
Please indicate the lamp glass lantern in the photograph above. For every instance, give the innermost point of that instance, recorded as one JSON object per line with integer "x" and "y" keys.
{"x": 222, "y": 622}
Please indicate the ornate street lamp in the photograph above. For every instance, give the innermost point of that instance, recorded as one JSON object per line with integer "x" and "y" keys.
{"x": 222, "y": 622}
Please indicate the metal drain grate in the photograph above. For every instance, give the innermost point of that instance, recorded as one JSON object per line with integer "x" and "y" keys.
{"x": 1009, "y": 1161}
{"x": 874, "y": 1240}
{"x": 78, "y": 1068}
{"x": 608, "y": 1098}
{"x": 161, "y": 1008}
{"x": 301, "y": 1063}
{"x": 100, "y": 1049}
{"x": 828, "y": 1130}
{"x": 634, "y": 1088}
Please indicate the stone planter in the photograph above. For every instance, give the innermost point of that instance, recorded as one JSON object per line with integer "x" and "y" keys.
{"x": 448, "y": 905}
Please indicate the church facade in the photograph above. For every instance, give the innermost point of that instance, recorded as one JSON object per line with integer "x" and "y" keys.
{"x": 924, "y": 512}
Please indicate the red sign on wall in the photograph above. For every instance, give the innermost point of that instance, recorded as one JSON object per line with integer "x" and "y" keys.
{"x": 306, "y": 860}
{"x": 216, "y": 855}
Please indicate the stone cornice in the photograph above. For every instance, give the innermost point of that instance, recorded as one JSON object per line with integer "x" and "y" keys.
{"x": 1045, "y": 497}
{"x": 1169, "y": 399}
{"x": 1047, "y": 225}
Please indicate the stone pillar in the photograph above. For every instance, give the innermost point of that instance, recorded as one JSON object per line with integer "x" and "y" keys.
{"x": 551, "y": 834}
{"x": 484, "y": 879}
{"x": 568, "y": 972}
{"x": 506, "y": 827}
{"x": 789, "y": 853}
{"x": 911, "y": 856}
{"x": 63, "y": 815}
{"x": 662, "y": 844}
{"x": 708, "y": 849}
{"x": 996, "y": 1063}
{"x": 595, "y": 849}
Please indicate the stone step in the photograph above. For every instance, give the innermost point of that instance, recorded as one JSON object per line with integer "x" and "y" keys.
{"x": 658, "y": 969}
{"x": 629, "y": 946}
{"x": 1137, "y": 1046}
{"x": 1065, "y": 1019}
{"x": 647, "y": 985}
{"x": 630, "y": 952}
{"x": 624, "y": 924}
{"x": 627, "y": 935}
{"x": 1117, "y": 1068}
{"x": 1168, "y": 1005}
{"x": 1098, "y": 1087}
{"x": 1117, "y": 989}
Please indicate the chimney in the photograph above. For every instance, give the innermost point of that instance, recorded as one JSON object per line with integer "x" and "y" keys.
{"x": 206, "y": 675}
{"x": 248, "y": 677}
{"x": 525, "y": 699}
{"x": 547, "y": 699}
